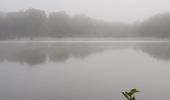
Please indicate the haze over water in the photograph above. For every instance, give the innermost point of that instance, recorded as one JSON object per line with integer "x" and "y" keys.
{"x": 83, "y": 71}
{"x": 84, "y": 49}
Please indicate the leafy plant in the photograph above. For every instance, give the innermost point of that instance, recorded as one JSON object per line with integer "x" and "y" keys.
{"x": 130, "y": 95}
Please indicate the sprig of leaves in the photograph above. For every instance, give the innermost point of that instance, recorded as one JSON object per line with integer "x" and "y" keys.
{"x": 130, "y": 95}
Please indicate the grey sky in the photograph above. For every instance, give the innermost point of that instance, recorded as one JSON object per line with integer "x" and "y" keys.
{"x": 111, "y": 10}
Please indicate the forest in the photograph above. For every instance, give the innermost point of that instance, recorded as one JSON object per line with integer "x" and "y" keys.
{"x": 34, "y": 23}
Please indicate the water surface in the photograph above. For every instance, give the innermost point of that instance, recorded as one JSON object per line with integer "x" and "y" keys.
{"x": 83, "y": 71}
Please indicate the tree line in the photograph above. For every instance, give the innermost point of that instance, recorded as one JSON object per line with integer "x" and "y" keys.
{"x": 35, "y": 23}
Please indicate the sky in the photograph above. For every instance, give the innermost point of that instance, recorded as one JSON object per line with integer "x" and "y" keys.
{"x": 109, "y": 10}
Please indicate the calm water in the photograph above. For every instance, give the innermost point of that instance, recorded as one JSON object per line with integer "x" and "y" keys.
{"x": 84, "y": 71}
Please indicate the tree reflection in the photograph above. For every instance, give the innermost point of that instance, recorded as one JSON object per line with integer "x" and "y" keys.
{"x": 33, "y": 54}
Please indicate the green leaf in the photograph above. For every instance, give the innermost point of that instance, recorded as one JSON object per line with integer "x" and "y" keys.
{"x": 133, "y": 91}
{"x": 130, "y": 94}
{"x": 133, "y": 98}
{"x": 126, "y": 95}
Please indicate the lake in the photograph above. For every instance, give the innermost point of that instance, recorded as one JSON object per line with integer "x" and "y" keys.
{"x": 84, "y": 71}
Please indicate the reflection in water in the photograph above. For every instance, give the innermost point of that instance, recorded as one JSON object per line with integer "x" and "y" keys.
{"x": 37, "y": 53}
{"x": 108, "y": 69}
{"x": 159, "y": 51}
{"x": 33, "y": 54}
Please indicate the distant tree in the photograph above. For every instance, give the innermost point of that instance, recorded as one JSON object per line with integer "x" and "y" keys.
{"x": 157, "y": 26}
{"x": 58, "y": 24}
{"x": 34, "y": 23}
{"x": 29, "y": 23}
{"x": 82, "y": 26}
{"x": 2, "y": 25}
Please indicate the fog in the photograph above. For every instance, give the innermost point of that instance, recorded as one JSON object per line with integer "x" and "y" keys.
{"x": 41, "y": 59}
{"x": 110, "y": 10}
{"x": 35, "y": 23}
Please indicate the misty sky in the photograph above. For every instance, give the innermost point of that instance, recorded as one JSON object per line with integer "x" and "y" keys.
{"x": 110, "y": 10}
